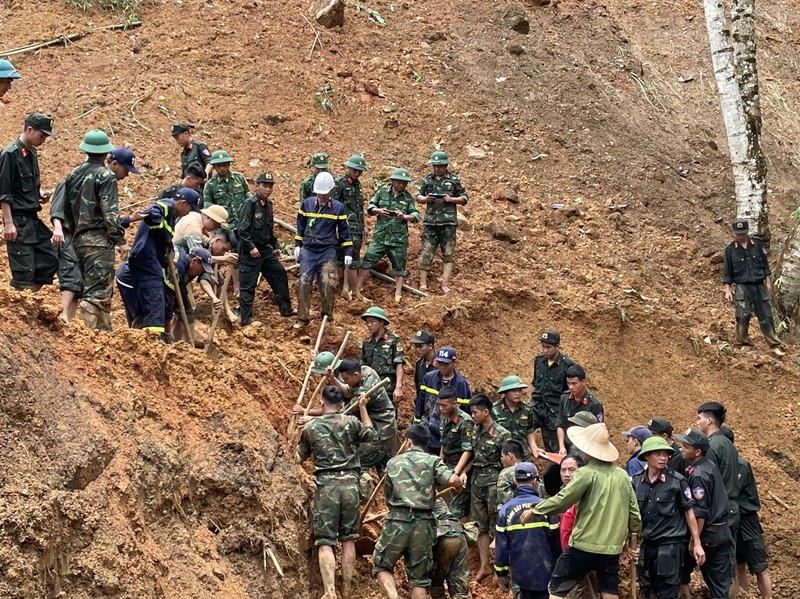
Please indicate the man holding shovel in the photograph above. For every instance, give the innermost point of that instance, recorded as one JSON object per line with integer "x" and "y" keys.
{"x": 332, "y": 441}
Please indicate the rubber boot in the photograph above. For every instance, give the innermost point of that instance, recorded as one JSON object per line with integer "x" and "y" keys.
{"x": 303, "y": 298}
{"x": 742, "y": 337}
{"x": 89, "y": 314}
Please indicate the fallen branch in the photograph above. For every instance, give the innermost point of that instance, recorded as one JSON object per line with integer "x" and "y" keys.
{"x": 380, "y": 275}
{"x": 274, "y": 559}
{"x": 133, "y": 106}
{"x": 317, "y": 39}
{"x": 780, "y": 501}
{"x": 65, "y": 39}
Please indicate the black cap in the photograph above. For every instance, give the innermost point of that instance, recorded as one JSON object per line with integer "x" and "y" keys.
{"x": 740, "y": 225}
{"x": 660, "y": 426}
{"x": 550, "y": 337}
{"x": 265, "y": 178}
{"x": 694, "y": 438}
{"x": 179, "y": 128}
{"x": 422, "y": 338}
{"x": 42, "y": 122}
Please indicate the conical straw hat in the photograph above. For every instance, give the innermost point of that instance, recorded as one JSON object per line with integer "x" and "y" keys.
{"x": 593, "y": 441}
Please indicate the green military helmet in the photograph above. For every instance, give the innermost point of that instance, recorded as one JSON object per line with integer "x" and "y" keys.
{"x": 375, "y": 312}
{"x": 322, "y": 361}
{"x": 439, "y": 157}
{"x": 357, "y": 162}
{"x": 401, "y": 174}
{"x": 510, "y": 383}
{"x": 654, "y": 443}
{"x": 96, "y": 142}
{"x": 320, "y": 160}
{"x": 220, "y": 157}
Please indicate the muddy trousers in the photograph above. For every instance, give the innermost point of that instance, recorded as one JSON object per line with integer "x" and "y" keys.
{"x": 451, "y": 566}
{"x": 319, "y": 265}
{"x": 273, "y": 271}
{"x": 97, "y": 267}
{"x": 753, "y": 298}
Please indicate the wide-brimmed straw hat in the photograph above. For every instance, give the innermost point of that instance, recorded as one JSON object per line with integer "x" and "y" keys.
{"x": 593, "y": 441}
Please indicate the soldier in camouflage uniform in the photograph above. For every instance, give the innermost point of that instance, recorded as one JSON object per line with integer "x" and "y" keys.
{"x": 319, "y": 164}
{"x": 457, "y": 432}
{"x": 226, "y": 188}
{"x": 516, "y": 415}
{"x": 512, "y": 453}
{"x": 355, "y": 380}
{"x": 450, "y": 555}
{"x": 332, "y": 441}
{"x": 347, "y": 190}
{"x": 410, "y": 529}
{"x": 91, "y": 216}
{"x": 70, "y": 281}
{"x": 487, "y": 445}
{"x": 383, "y": 351}
{"x": 395, "y": 208}
{"x": 442, "y": 191}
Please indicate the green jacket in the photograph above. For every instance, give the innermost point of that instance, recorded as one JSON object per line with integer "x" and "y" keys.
{"x": 606, "y": 506}
{"x": 383, "y": 354}
{"x": 520, "y": 423}
{"x": 332, "y": 441}
{"x": 487, "y": 445}
{"x": 229, "y": 193}
{"x": 390, "y": 230}
{"x": 412, "y": 478}
{"x": 457, "y": 435}
{"x": 506, "y": 485}
{"x": 348, "y": 192}
{"x": 380, "y": 408}
{"x": 440, "y": 213}
{"x": 92, "y": 206}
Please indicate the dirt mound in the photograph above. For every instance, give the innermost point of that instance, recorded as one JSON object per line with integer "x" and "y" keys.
{"x": 588, "y": 135}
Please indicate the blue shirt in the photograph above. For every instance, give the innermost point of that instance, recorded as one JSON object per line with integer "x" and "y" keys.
{"x": 148, "y": 257}
{"x": 322, "y": 226}
{"x": 427, "y": 404}
{"x": 635, "y": 465}
{"x": 527, "y": 551}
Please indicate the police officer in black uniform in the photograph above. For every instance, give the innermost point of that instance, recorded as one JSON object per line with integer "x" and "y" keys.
{"x": 31, "y": 256}
{"x": 259, "y": 250}
{"x": 665, "y": 503}
{"x": 746, "y": 266}
{"x": 662, "y": 427}
{"x": 192, "y": 150}
{"x": 711, "y": 511}
{"x": 549, "y": 384}
{"x": 194, "y": 178}
{"x": 423, "y": 343}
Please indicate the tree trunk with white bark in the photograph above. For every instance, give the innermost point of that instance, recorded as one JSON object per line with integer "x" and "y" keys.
{"x": 734, "y": 61}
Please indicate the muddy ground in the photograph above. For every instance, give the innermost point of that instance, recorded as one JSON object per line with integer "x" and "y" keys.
{"x": 131, "y": 469}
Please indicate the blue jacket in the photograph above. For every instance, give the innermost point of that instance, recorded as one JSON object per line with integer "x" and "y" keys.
{"x": 528, "y": 551}
{"x": 148, "y": 257}
{"x": 634, "y": 465}
{"x": 320, "y": 227}
{"x": 427, "y": 404}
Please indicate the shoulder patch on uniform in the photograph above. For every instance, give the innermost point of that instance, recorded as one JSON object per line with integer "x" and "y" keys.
{"x": 698, "y": 493}
{"x": 687, "y": 493}
{"x": 206, "y": 151}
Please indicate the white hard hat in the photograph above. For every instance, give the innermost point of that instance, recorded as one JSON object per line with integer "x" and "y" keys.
{"x": 323, "y": 183}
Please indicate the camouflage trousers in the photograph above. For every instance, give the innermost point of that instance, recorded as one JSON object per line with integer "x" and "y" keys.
{"x": 336, "y": 509}
{"x": 443, "y": 236}
{"x": 97, "y": 267}
{"x": 483, "y": 507}
{"x": 322, "y": 267}
{"x": 450, "y": 565}
{"x": 408, "y": 534}
{"x": 395, "y": 253}
{"x": 459, "y": 502}
{"x": 69, "y": 270}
